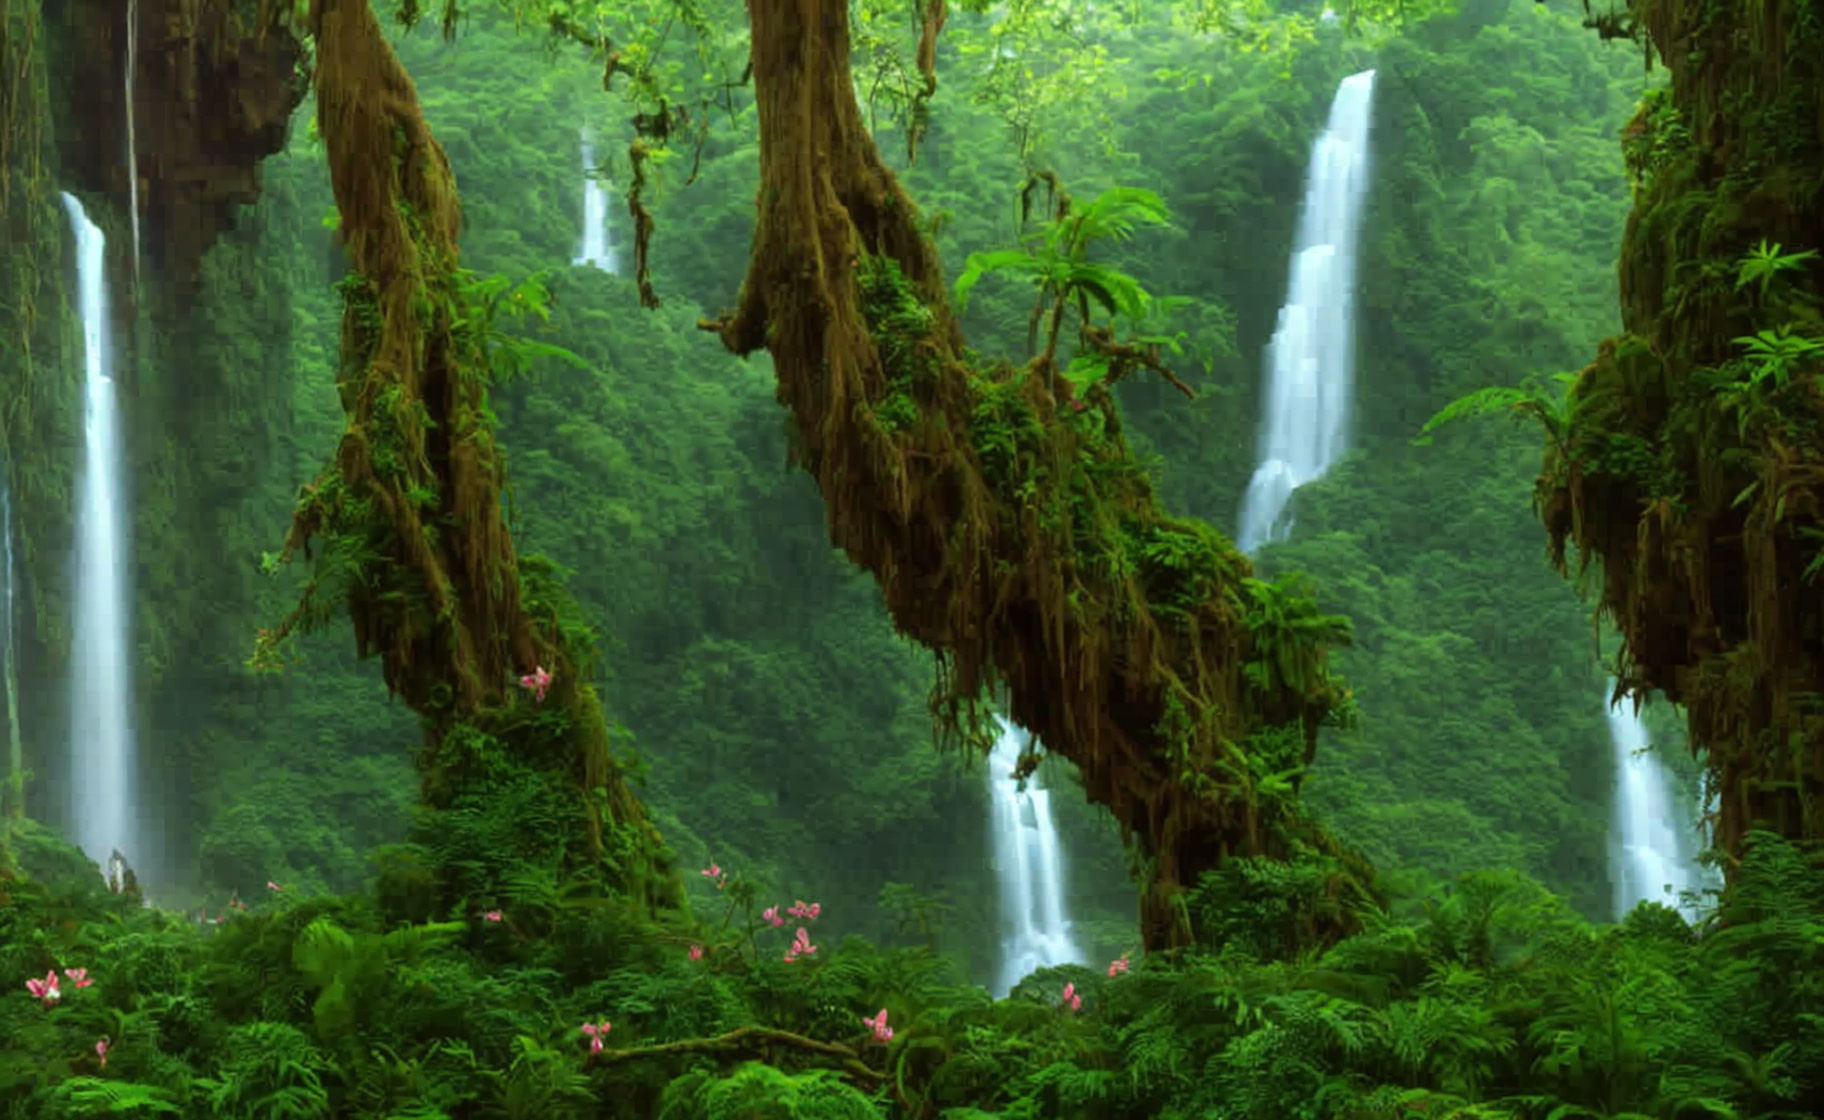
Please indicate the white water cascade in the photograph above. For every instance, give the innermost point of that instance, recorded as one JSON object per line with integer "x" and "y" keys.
{"x": 1311, "y": 361}
{"x": 101, "y": 700}
{"x": 1653, "y": 845}
{"x": 132, "y": 140}
{"x": 1030, "y": 864}
{"x": 597, "y": 249}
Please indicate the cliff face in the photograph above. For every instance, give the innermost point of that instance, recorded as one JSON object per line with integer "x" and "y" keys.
{"x": 1692, "y": 466}
{"x": 215, "y": 84}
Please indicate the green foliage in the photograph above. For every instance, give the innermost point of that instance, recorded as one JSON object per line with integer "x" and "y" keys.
{"x": 760, "y": 1092}
{"x": 1056, "y": 263}
{"x": 1765, "y": 263}
{"x": 784, "y": 720}
{"x": 1531, "y": 399}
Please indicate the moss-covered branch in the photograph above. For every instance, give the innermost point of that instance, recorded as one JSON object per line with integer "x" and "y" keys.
{"x": 1691, "y": 468}
{"x": 1017, "y": 538}
{"x": 408, "y": 514}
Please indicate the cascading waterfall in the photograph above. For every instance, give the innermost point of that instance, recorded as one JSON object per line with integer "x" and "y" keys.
{"x": 1029, "y": 861}
{"x": 1653, "y": 846}
{"x": 597, "y": 250}
{"x": 1311, "y": 360}
{"x": 9, "y": 670}
{"x": 132, "y": 139}
{"x": 101, "y": 730}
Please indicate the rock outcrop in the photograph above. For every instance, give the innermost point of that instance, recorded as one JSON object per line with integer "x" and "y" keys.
{"x": 215, "y": 84}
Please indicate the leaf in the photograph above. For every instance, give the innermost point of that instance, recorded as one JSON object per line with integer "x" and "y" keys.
{"x": 1016, "y": 261}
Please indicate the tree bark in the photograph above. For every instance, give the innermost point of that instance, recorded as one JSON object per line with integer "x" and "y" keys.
{"x": 1028, "y": 566}
{"x": 409, "y": 511}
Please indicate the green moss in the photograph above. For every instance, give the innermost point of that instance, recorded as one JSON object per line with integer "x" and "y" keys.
{"x": 1691, "y": 467}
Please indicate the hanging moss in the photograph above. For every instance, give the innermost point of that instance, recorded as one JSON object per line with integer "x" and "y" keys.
{"x": 1010, "y": 529}
{"x": 409, "y": 518}
{"x": 39, "y": 388}
{"x": 1690, "y": 473}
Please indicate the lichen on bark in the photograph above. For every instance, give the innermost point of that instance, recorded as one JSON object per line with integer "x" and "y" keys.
{"x": 408, "y": 514}
{"x": 1016, "y": 537}
{"x": 1697, "y": 488}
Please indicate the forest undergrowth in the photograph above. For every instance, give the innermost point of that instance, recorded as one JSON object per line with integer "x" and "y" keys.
{"x": 1489, "y": 999}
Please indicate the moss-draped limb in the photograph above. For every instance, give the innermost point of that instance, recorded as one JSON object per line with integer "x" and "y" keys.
{"x": 409, "y": 511}
{"x": 1009, "y": 530}
{"x": 1700, "y": 492}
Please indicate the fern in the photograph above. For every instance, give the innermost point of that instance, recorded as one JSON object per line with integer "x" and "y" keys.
{"x": 93, "y": 1096}
{"x": 1530, "y": 399}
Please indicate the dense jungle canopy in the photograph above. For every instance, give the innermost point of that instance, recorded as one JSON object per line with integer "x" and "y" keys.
{"x": 499, "y": 496}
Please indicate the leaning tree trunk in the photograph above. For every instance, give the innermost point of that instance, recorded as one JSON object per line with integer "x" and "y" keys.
{"x": 408, "y": 514}
{"x": 1015, "y": 537}
{"x": 1699, "y": 493}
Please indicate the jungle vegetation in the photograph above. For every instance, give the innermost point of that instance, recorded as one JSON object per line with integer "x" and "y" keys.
{"x": 995, "y": 280}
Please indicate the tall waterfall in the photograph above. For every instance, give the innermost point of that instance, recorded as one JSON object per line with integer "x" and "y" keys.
{"x": 1029, "y": 862}
{"x": 132, "y": 139}
{"x": 1311, "y": 361}
{"x": 597, "y": 249}
{"x": 101, "y": 710}
{"x": 14, "y": 789}
{"x": 1653, "y": 845}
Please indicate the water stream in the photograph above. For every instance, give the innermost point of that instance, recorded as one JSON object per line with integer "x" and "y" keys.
{"x": 101, "y": 684}
{"x": 12, "y": 793}
{"x": 132, "y": 139}
{"x": 1654, "y": 842}
{"x": 1310, "y": 374}
{"x": 597, "y": 249}
{"x": 1030, "y": 864}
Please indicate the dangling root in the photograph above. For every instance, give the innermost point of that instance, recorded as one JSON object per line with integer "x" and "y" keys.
{"x": 1016, "y": 537}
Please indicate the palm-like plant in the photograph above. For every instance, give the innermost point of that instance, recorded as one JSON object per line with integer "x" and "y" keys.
{"x": 1056, "y": 262}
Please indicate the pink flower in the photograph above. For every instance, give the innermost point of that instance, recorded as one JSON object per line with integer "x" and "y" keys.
{"x": 1072, "y": 1000}
{"x": 536, "y": 682}
{"x": 882, "y": 1032}
{"x": 272, "y": 886}
{"x": 714, "y": 872}
{"x": 1077, "y": 405}
{"x": 491, "y": 916}
{"x": 771, "y": 914}
{"x": 696, "y": 952}
{"x": 801, "y": 945}
{"x": 102, "y": 1046}
{"x": 45, "y": 989}
{"x": 78, "y": 977}
{"x": 1115, "y": 968}
{"x": 597, "y": 1032}
{"x": 801, "y": 910}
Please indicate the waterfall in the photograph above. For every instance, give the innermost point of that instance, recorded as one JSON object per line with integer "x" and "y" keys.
{"x": 597, "y": 250}
{"x": 1029, "y": 863}
{"x": 1652, "y": 848}
{"x": 132, "y": 140}
{"x": 1311, "y": 361}
{"x": 12, "y": 794}
{"x": 101, "y": 732}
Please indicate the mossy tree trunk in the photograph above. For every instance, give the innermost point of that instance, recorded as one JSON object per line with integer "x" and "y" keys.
{"x": 409, "y": 514}
{"x": 1015, "y": 537}
{"x": 1699, "y": 492}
